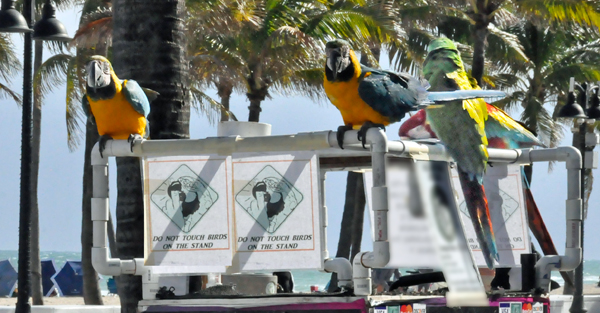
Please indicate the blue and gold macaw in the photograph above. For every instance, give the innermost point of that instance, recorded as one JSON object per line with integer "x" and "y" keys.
{"x": 369, "y": 97}
{"x": 120, "y": 108}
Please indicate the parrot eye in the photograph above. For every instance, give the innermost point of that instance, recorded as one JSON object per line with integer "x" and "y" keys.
{"x": 106, "y": 68}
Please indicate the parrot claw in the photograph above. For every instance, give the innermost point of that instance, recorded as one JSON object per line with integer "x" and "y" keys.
{"x": 362, "y": 133}
{"x": 341, "y": 131}
{"x": 102, "y": 143}
{"x": 132, "y": 139}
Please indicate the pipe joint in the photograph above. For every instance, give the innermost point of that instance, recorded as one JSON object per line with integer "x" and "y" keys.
{"x": 378, "y": 140}
{"x": 100, "y": 209}
{"x": 95, "y": 157}
{"x": 574, "y": 211}
{"x": 571, "y": 259}
{"x": 103, "y": 264}
{"x": 379, "y": 196}
{"x": 571, "y": 155}
{"x": 361, "y": 275}
{"x": 343, "y": 268}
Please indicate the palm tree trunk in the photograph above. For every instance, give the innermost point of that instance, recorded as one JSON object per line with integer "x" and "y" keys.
{"x": 224, "y": 90}
{"x": 91, "y": 288}
{"x": 359, "y": 215}
{"x": 36, "y": 130}
{"x": 149, "y": 46}
{"x": 258, "y": 92}
{"x": 480, "y": 41}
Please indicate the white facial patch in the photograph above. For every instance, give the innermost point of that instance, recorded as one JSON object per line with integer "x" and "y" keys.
{"x": 98, "y": 74}
{"x": 338, "y": 59}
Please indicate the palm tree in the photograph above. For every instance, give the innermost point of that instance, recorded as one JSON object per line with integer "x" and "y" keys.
{"x": 538, "y": 86}
{"x": 56, "y": 70}
{"x": 149, "y": 45}
{"x": 9, "y": 65}
{"x": 278, "y": 45}
{"x": 36, "y": 274}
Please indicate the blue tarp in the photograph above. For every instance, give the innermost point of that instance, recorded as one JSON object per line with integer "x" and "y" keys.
{"x": 112, "y": 285}
{"x": 8, "y": 278}
{"x": 69, "y": 279}
{"x": 48, "y": 270}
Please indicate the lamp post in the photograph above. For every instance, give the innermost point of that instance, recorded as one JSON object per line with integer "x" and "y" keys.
{"x": 48, "y": 28}
{"x": 579, "y": 111}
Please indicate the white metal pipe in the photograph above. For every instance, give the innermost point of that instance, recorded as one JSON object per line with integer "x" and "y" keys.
{"x": 219, "y": 145}
{"x": 101, "y": 261}
{"x": 381, "y": 253}
{"x": 324, "y": 223}
{"x": 572, "y": 257}
{"x": 99, "y": 241}
{"x": 361, "y": 275}
{"x": 343, "y": 268}
{"x": 328, "y": 139}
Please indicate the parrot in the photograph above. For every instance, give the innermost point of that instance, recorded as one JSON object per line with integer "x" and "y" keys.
{"x": 368, "y": 97}
{"x": 460, "y": 125}
{"x": 119, "y": 108}
{"x": 502, "y": 132}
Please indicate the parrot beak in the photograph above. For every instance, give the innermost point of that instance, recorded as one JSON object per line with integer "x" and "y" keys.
{"x": 97, "y": 77}
{"x": 337, "y": 61}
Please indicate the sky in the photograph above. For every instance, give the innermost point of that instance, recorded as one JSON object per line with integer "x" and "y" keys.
{"x": 61, "y": 171}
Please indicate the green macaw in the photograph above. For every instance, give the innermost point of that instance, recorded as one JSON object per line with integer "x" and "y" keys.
{"x": 460, "y": 127}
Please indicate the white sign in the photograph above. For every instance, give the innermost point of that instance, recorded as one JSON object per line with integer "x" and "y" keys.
{"x": 408, "y": 229}
{"x": 449, "y": 242}
{"x": 188, "y": 211}
{"x": 504, "y": 191}
{"x": 276, "y": 203}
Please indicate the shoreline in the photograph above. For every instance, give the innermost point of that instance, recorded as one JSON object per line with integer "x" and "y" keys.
{"x": 107, "y": 300}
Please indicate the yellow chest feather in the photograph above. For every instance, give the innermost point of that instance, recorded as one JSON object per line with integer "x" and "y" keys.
{"x": 344, "y": 95}
{"x": 117, "y": 118}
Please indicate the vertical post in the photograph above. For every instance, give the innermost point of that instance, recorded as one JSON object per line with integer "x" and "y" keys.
{"x": 324, "y": 223}
{"x": 578, "y": 304}
{"x": 578, "y": 301}
{"x": 24, "y": 262}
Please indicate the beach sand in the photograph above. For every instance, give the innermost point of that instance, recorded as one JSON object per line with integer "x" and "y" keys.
{"x": 114, "y": 300}
{"x": 587, "y": 290}
{"x": 108, "y": 300}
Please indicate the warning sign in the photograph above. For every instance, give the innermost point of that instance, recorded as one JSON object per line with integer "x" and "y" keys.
{"x": 504, "y": 192}
{"x": 188, "y": 211}
{"x": 277, "y": 224}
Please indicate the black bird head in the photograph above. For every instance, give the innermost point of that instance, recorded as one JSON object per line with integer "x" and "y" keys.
{"x": 338, "y": 56}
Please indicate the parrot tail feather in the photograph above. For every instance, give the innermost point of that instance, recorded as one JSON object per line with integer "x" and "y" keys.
{"x": 480, "y": 216}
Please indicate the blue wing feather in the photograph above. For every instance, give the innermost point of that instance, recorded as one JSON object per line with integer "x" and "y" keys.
{"x": 390, "y": 94}
{"x": 136, "y": 97}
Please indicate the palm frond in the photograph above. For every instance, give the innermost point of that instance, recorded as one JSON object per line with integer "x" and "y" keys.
{"x": 7, "y": 92}
{"x": 9, "y": 62}
{"x": 207, "y": 106}
{"x": 51, "y": 73}
{"x": 513, "y": 48}
{"x": 95, "y": 28}
{"x": 566, "y": 12}
{"x": 73, "y": 104}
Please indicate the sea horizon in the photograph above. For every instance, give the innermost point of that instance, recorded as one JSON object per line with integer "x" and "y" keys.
{"x": 303, "y": 279}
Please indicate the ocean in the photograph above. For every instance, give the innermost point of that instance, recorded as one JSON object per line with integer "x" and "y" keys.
{"x": 303, "y": 279}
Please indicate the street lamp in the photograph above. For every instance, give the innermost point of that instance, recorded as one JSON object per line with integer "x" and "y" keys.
{"x": 48, "y": 28}
{"x": 587, "y": 141}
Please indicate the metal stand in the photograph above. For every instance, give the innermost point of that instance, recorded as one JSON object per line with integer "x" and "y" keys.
{"x": 578, "y": 306}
